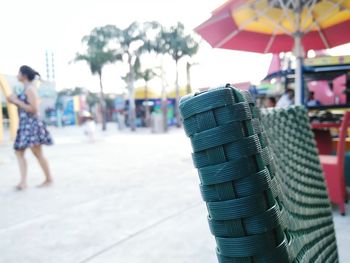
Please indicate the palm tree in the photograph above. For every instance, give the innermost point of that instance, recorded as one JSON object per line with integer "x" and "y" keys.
{"x": 177, "y": 44}
{"x": 155, "y": 44}
{"x": 147, "y": 75}
{"x": 130, "y": 42}
{"x": 97, "y": 55}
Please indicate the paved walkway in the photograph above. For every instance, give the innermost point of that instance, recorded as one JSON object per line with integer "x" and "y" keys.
{"x": 126, "y": 198}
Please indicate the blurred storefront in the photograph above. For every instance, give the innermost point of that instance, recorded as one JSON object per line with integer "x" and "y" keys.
{"x": 46, "y": 90}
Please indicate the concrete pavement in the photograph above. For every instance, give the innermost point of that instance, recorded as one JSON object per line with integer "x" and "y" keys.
{"x": 126, "y": 198}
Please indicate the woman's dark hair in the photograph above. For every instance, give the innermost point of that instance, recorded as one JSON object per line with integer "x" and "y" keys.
{"x": 30, "y": 73}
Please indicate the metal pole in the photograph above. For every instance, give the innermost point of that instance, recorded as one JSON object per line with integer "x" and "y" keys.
{"x": 299, "y": 90}
{"x": 1, "y": 122}
{"x": 164, "y": 99}
{"x": 298, "y": 52}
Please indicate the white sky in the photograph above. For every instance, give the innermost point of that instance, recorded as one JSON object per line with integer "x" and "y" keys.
{"x": 28, "y": 28}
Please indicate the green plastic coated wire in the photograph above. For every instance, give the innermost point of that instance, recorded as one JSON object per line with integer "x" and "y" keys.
{"x": 261, "y": 179}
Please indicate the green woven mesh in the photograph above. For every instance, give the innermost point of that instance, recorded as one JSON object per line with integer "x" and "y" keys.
{"x": 260, "y": 178}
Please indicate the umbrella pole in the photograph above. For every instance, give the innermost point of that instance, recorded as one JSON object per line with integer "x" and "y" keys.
{"x": 299, "y": 83}
{"x": 298, "y": 49}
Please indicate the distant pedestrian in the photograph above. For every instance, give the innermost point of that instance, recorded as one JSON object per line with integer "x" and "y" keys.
{"x": 89, "y": 126}
{"x": 286, "y": 100}
{"x": 32, "y": 132}
{"x": 271, "y": 102}
{"x": 121, "y": 120}
{"x": 312, "y": 102}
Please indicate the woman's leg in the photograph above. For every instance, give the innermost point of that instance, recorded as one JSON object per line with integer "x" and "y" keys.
{"x": 38, "y": 153}
{"x": 22, "y": 162}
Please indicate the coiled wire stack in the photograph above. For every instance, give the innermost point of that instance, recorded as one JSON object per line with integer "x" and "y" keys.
{"x": 260, "y": 178}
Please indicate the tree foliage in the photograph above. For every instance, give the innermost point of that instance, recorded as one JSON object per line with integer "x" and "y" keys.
{"x": 109, "y": 44}
{"x": 175, "y": 42}
{"x": 97, "y": 55}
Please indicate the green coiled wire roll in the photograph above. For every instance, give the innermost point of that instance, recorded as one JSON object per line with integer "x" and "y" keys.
{"x": 248, "y": 185}
{"x": 257, "y": 224}
{"x": 260, "y": 178}
{"x": 278, "y": 254}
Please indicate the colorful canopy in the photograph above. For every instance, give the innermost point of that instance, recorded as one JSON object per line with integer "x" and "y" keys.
{"x": 142, "y": 93}
{"x": 269, "y": 26}
{"x": 171, "y": 94}
{"x": 273, "y": 26}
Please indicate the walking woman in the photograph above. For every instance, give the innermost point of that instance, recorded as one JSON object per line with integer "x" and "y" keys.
{"x": 32, "y": 132}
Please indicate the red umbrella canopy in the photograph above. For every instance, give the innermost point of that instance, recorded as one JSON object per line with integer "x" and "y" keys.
{"x": 271, "y": 26}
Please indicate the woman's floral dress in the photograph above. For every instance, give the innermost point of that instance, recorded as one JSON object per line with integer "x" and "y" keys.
{"x": 31, "y": 131}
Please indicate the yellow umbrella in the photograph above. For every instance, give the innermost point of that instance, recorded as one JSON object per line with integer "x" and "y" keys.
{"x": 273, "y": 26}
{"x": 141, "y": 93}
{"x": 172, "y": 93}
